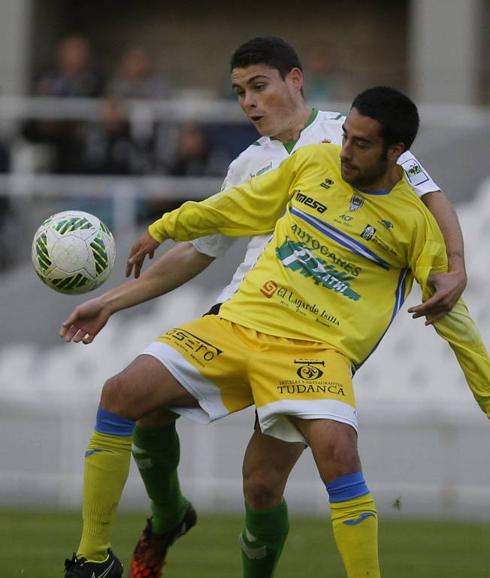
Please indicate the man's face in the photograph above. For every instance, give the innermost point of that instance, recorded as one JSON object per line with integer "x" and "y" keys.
{"x": 363, "y": 158}
{"x": 268, "y": 100}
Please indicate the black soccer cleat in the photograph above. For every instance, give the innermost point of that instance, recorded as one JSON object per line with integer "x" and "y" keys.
{"x": 80, "y": 568}
{"x": 151, "y": 550}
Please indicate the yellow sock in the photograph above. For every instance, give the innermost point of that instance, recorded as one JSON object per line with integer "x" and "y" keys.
{"x": 106, "y": 470}
{"x": 355, "y": 528}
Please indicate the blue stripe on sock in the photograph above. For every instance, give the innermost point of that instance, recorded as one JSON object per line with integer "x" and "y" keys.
{"x": 360, "y": 519}
{"x": 92, "y": 452}
{"x": 347, "y": 487}
{"x": 110, "y": 423}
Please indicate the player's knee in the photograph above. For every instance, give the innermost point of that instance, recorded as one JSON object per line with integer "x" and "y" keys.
{"x": 113, "y": 397}
{"x": 262, "y": 490}
{"x": 341, "y": 455}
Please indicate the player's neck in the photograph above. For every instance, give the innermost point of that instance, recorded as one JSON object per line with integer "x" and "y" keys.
{"x": 385, "y": 183}
{"x": 299, "y": 120}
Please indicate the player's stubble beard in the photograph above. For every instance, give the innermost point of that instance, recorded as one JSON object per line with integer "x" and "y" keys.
{"x": 366, "y": 177}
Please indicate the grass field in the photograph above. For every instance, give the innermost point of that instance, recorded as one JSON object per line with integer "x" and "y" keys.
{"x": 34, "y": 545}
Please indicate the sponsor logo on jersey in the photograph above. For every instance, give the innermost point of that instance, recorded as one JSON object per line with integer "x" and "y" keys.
{"x": 386, "y": 224}
{"x": 415, "y": 173}
{"x": 356, "y": 203}
{"x": 298, "y": 258}
{"x": 199, "y": 349}
{"x": 301, "y": 306}
{"x": 309, "y": 369}
{"x": 291, "y": 299}
{"x": 327, "y": 183}
{"x": 368, "y": 232}
{"x": 315, "y": 245}
{"x": 268, "y": 289}
{"x": 310, "y": 202}
{"x": 262, "y": 170}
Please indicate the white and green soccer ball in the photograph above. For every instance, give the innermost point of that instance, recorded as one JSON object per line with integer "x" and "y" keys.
{"x": 73, "y": 252}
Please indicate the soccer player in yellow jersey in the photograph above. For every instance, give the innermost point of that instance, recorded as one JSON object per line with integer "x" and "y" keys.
{"x": 350, "y": 236}
{"x": 267, "y": 78}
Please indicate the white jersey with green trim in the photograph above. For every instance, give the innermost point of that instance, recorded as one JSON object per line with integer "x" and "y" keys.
{"x": 267, "y": 154}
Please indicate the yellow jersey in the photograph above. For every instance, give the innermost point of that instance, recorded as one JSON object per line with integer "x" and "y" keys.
{"x": 340, "y": 261}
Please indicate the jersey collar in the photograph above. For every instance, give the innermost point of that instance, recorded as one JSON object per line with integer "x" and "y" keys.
{"x": 289, "y": 145}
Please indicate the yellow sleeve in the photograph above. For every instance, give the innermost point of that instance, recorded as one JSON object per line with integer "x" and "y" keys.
{"x": 460, "y": 331}
{"x": 456, "y": 327}
{"x": 249, "y": 209}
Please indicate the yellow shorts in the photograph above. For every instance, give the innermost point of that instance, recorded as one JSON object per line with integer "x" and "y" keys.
{"x": 228, "y": 367}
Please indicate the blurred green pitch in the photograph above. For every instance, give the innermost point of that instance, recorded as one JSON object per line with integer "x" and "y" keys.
{"x": 34, "y": 544}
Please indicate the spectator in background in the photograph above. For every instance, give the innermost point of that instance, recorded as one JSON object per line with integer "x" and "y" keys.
{"x": 322, "y": 82}
{"x": 137, "y": 79}
{"x": 72, "y": 77}
{"x": 193, "y": 156}
{"x": 109, "y": 147}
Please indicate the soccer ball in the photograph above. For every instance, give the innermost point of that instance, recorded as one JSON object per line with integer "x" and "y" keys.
{"x": 73, "y": 252}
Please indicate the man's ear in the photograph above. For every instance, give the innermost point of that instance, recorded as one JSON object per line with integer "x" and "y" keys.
{"x": 296, "y": 78}
{"x": 395, "y": 151}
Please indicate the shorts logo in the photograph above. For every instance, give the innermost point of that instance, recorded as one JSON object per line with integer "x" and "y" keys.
{"x": 268, "y": 289}
{"x": 309, "y": 369}
{"x": 300, "y": 388}
{"x": 368, "y": 232}
{"x": 197, "y": 347}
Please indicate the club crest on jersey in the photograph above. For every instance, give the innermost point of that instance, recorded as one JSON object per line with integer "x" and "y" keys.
{"x": 368, "y": 232}
{"x": 356, "y": 203}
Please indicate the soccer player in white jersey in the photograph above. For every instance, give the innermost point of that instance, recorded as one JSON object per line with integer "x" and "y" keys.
{"x": 311, "y": 310}
{"x": 267, "y": 77}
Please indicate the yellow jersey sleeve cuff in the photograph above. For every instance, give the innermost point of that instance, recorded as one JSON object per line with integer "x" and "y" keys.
{"x": 157, "y": 231}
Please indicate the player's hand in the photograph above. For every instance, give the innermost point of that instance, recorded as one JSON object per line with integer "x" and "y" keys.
{"x": 448, "y": 289}
{"x": 144, "y": 246}
{"x": 85, "y": 322}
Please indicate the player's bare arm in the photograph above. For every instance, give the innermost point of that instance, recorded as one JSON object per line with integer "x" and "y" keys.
{"x": 177, "y": 266}
{"x": 448, "y": 286}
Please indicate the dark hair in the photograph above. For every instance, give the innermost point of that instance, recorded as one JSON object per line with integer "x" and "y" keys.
{"x": 269, "y": 50}
{"x": 396, "y": 113}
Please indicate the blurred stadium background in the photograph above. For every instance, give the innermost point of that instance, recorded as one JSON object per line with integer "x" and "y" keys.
{"x": 424, "y": 442}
